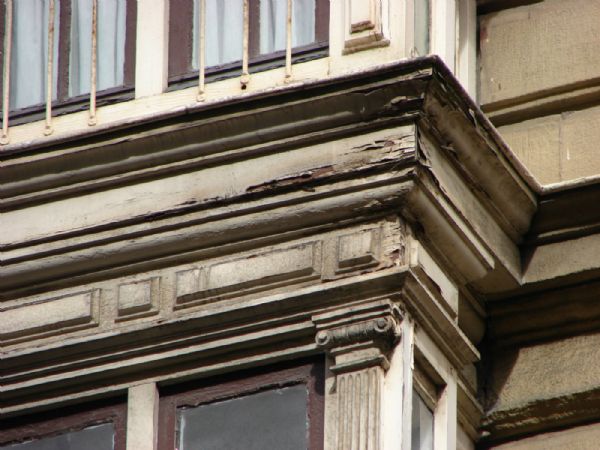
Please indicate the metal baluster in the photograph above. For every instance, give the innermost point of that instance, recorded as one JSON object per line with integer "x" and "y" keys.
{"x": 49, "y": 69}
{"x": 6, "y": 75}
{"x": 202, "y": 50}
{"x": 92, "y": 118}
{"x": 288, "y": 46}
{"x": 245, "y": 78}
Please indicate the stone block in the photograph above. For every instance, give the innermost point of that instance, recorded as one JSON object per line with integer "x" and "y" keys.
{"x": 538, "y": 48}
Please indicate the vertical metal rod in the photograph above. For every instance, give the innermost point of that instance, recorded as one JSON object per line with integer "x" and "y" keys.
{"x": 6, "y": 75}
{"x": 288, "y": 45}
{"x": 92, "y": 118}
{"x": 49, "y": 69}
{"x": 202, "y": 49}
{"x": 245, "y": 79}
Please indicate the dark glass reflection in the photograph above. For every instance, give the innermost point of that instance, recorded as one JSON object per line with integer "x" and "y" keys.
{"x": 98, "y": 437}
{"x": 275, "y": 419}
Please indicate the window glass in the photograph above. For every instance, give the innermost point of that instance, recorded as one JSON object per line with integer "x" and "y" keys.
{"x": 273, "y": 18}
{"x": 224, "y": 29}
{"x": 274, "y": 419}
{"x": 422, "y": 425}
{"x": 422, "y": 27}
{"x": 99, "y": 437}
{"x": 110, "y": 45}
{"x": 29, "y": 52}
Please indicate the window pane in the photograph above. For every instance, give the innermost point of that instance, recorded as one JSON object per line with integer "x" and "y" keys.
{"x": 29, "y": 52}
{"x": 110, "y": 41}
{"x": 275, "y": 419}
{"x": 99, "y": 437}
{"x": 224, "y": 29}
{"x": 273, "y": 15}
{"x": 422, "y": 26}
{"x": 422, "y": 425}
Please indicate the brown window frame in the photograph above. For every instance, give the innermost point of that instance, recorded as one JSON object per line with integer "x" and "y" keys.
{"x": 72, "y": 418}
{"x": 239, "y": 384}
{"x": 181, "y": 44}
{"x": 63, "y": 103}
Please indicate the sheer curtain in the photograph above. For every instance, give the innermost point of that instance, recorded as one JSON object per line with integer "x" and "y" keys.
{"x": 29, "y": 52}
{"x": 273, "y": 15}
{"x": 224, "y": 29}
{"x": 110, "y": 41}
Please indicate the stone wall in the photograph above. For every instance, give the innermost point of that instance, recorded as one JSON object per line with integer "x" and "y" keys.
{"x": 540, "y": 83}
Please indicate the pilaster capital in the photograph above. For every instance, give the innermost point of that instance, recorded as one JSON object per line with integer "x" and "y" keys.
{"x": 359, "y": 336}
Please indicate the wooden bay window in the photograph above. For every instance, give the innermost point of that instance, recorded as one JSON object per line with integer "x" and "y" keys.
{"x": 71, "y": 52}
{"x": 224, "y": 31}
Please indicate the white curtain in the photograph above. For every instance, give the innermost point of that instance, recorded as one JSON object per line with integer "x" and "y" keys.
{"x": 224, "y": 30}
{"x": 29, "y": 52}
{"x": 273, "y": 18}
{"x": 110, "y": 42}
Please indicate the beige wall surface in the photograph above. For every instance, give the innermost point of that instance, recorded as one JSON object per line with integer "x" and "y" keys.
{"x": 547, "y": 371}
{"x": 540, "y": 83}
{"x": 578, "y": 438}
{"x": 558, "y": 147}
{"x": 543, "y": 46}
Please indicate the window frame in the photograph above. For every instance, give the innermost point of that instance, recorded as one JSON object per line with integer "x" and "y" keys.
{"x": 180, "y": 73}
{"x": 244, "y": 383}
{"x": 68, "y": 419}
{"x": 64, "y": 104}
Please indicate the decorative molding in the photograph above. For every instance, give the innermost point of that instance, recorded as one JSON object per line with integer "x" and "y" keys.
{"x": 364, "y": 25}
{"x": 251, "y": 274}
{"x": 138, "y": 298}
{"x": 203, "y": 342}
{"x": 41, "y": 318}
{"x": 358, "y": 250}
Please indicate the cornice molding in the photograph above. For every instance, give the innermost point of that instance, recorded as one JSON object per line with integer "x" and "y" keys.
{"x": 420, "y": 93}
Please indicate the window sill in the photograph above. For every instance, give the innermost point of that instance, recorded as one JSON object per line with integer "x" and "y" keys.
{"x": 261, "y": 63}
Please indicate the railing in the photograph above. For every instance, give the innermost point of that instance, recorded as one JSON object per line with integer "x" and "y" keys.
{"x": 92, "y": 119}
{"x": 245, "y": 76}
{"x": 8, "y": 28}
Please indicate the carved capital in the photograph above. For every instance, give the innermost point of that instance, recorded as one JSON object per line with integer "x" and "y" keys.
{"x": 382, "y": 328}
{"x": 359, "y": 337}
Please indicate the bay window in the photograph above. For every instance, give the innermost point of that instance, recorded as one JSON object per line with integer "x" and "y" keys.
{"x": 71, "y": 62}
{"x": 224, "y": 31}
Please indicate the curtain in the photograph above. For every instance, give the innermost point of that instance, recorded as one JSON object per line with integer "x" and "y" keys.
{"x": 224, "y": 29}
{"x": 110, "y": 42}
{"x": 273, "y": 15}
{"x": 29, "y": 52}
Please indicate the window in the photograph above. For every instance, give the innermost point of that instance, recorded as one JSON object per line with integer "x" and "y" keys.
{"x": 280, "y": 409}
{"x": 224, "y": 31}
{"x": 72, "y": 49}
{"x": 422, "y": 424}
{"x": 100, "y": 426}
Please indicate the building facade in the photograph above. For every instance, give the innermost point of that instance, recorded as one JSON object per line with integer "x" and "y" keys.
{"x": 358, "y": 224}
